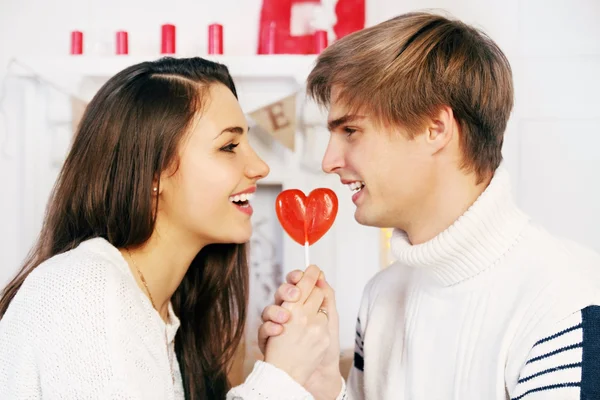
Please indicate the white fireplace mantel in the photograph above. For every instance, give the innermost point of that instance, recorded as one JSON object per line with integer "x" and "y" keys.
{"x": 296, "y": 67}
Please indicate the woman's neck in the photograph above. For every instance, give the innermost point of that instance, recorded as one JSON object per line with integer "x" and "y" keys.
{"x": 163, "y": 262}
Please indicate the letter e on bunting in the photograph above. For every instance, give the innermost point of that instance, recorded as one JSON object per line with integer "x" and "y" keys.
{"x": 279, "y": 119}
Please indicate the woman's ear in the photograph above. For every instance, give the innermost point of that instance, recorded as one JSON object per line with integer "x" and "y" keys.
{"x": 156, "y": 186}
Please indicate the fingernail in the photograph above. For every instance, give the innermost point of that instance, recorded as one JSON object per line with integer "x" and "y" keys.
{"x": 293, "y": 291}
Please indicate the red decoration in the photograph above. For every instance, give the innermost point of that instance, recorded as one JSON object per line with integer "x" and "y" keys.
{"x": 276, "y": 15}
{"x": 76, "y": 42}
{"x": 306, "y": 219}
{"x": 122, "y": 42}
{"x": 320, "y": 41}
{"x": 215, "y": 39}
{"x": 268, "y": 38}
{"x": 168, "y": 39}
{"x": 350, "y": 17}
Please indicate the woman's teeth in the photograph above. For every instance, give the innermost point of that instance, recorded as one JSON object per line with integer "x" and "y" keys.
{"x": 355, "y": 187}
{"x": 241, "y": 198}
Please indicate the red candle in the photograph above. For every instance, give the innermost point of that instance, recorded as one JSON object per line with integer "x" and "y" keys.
{"x": 268, "y": 38}
{"x": 215, "y": 39}
{"x": 122, "y": 42}
{"x": 168, "y": 39}
{"x": 76, "y": 42}
{"x": 320, "y": 41}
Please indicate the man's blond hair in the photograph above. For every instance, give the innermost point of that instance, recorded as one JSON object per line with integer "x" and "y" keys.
{"x": 403, "y": 70}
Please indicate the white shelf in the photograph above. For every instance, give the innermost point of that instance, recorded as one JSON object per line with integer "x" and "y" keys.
{"x": 253, "y": 66}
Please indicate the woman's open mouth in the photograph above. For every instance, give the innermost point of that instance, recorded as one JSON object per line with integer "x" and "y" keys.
{"x": 242, "y": 202}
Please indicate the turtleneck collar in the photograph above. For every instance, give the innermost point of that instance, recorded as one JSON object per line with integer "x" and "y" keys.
{"x": 473, "y": 243}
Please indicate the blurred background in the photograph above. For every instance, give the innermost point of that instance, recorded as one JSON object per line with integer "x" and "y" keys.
{"x": 551, "y": 146}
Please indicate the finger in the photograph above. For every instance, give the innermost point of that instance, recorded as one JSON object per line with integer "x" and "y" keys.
{"x": 294, "y": 276}
{"x": 276, "y": 314}
{"x": 267, "y": 330}
{"x": 329, "y": 303}
{"x": 287, "y": 292}
{"x": 322, "y": 318}
{"x": 329, "y": 292}
{"x": 308, "y": 281}
{"x": 314, "y": 301}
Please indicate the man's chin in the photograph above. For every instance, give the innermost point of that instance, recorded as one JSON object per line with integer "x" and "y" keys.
{"x": 366, "y": 219}
{"x": 359, "y": 216}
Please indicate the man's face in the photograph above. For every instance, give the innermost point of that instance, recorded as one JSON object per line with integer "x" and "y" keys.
{"x": 388, "y": 173}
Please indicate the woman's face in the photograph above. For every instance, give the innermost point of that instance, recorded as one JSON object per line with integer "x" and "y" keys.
{"x": 206, "y": 197}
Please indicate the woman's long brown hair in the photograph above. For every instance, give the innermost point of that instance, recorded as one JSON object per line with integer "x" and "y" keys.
{"x": 128, "y": 135}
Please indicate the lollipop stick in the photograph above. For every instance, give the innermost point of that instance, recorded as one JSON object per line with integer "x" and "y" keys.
{"x": 306, "y": 258}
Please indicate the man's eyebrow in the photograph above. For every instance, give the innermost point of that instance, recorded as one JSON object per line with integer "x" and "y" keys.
{"x": 335, "y": 123}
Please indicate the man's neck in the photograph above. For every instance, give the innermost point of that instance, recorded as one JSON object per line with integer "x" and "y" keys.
{"x": 163, "y": 261}
{"x": 452, "y": 196}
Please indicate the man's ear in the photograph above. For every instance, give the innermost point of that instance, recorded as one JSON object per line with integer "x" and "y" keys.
{"x": 440, "y": 130}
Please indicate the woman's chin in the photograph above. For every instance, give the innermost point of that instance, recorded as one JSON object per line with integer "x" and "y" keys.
{"x": 242, "y": 236}
{"x": 238, "y": 233}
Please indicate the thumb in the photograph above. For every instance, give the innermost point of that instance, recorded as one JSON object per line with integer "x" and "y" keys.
{"x": 265, "y": 331}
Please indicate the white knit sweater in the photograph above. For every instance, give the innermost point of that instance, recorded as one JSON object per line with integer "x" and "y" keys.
{"x": 492, "y": 308}
{"x": 81, "y": 328}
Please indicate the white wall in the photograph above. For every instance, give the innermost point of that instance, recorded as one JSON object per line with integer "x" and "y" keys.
{"x": 551, "y": 144}
{"x": 559, "y": 120}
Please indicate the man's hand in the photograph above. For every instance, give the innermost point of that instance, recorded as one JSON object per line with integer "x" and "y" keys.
{"x": 326, "y": 382}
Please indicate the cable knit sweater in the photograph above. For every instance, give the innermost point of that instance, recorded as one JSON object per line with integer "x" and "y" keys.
{"x": 492, "y": 308}
{"x": 81, "y": 328}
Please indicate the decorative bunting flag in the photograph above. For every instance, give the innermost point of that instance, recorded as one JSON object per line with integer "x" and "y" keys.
{"x": 279, "y": 120}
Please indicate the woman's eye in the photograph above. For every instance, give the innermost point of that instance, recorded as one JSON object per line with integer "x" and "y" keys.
{"x": 230, "y": 147}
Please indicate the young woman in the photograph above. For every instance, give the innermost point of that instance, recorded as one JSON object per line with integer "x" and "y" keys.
{"x": 137, "y": 287}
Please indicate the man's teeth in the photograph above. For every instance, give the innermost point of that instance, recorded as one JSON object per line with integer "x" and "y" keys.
{"x": 356, "y": 186}
{"x": 241, "y": 197}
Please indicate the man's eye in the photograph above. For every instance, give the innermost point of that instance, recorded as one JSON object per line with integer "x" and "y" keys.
{"x": 349, "y": 131}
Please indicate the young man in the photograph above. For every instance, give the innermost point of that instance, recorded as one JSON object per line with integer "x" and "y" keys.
{"x": 482, "y": 303}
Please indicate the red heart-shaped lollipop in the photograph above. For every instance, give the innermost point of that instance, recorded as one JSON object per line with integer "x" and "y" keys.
{"x": 306, "y": 219}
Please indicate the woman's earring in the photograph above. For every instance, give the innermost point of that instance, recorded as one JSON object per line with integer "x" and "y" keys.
{"x": 155, "y": 189}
